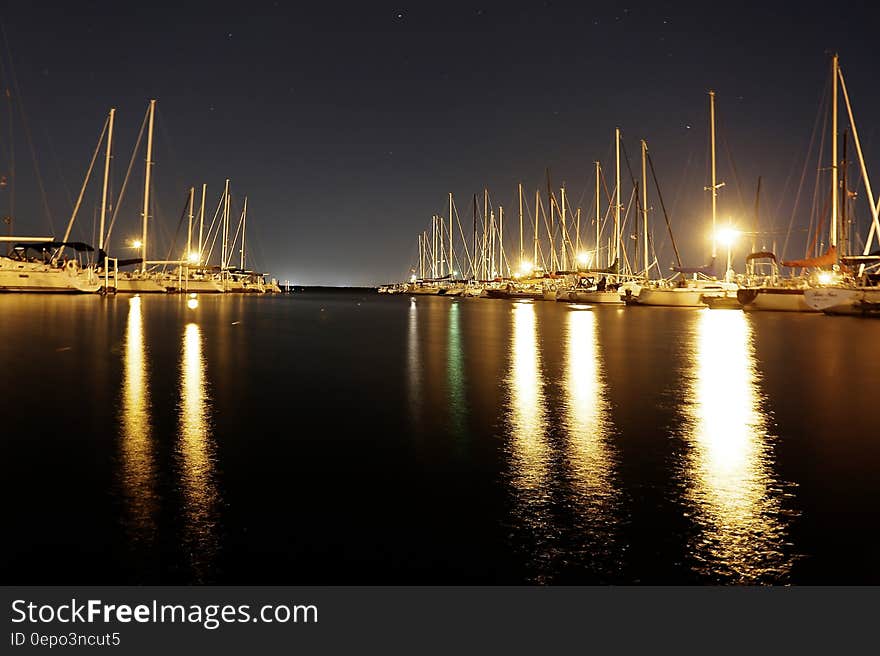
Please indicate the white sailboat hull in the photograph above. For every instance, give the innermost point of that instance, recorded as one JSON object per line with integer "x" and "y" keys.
{"x": 772, "y": 299}
{"x": 137, "y": 285}
{"x": 20, "y": 276}
{"x": 859, "y": 301}
{"x": 610, "y": 297}
{"x": 676, "y": 297}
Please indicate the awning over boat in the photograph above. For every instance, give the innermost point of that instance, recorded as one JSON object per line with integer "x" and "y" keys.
{"x": 78, "y": 246}
{"x": 706, "y": 270}
{"x": 829, "y": 258}
{"x": 761, "y": 255}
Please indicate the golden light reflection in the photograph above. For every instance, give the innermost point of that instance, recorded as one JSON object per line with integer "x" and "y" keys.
{"x": 729, "y": 473}
{"x": 413, "y": 362}
{"x": 586, "y": 419}
{"x": 192, "y": 303}
{"x": 527, "y": 415}
{"x": 455, "y": 375}
{"x": 137, "y": 448}
{"x": 196, "y": 456}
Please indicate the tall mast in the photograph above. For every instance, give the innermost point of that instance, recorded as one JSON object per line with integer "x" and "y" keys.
{"x": 451, "y": 233}
{"x": 834, "y": 173}
{"x": 551, "y": 228}
{"x": 519, "y": 190}
{"x": 577, "y": 238}
{"x": 189, "y": 229}
{"x": 617, "y": 198}
{"x": 844, "y": 229}
{"x": 106, "y": 179}
{"x": 501, "y": 240}
{"x": 202, "y": 219}
{"x": 645, "y": 203}
{"x": 537, "y": 210}
{"x": 243, "y": 230}
{"x": 598, "y": 218}
{"x": 564, "y": 233}
{"x": 714, "y": 183}
{"x": 147, "y": 188}
{"x": 474, "y": 266}
{"x": 434, "y": 246}
{"x": 757, "y": 222}
{"x": 223, "y": 258}
{"x": 485, "y": 233}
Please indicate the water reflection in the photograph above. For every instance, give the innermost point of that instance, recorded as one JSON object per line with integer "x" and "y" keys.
{"x": 529, "y": 452}
{"x": 196, "y": 457}
{"x": 413, "y": 362}
{"x": 587, "y": 425}
{"x": 137, "y": 448}
{"x": 458, "y": 409}
{"x": 731, "y": 484}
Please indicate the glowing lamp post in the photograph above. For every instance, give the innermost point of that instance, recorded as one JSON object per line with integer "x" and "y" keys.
{"x": 583, "y": 259}
{"x": 727, "y": 236}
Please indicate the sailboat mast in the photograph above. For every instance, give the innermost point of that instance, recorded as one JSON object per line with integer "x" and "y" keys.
{"x": 223, "y": 256}
{"x": 714, "y": 183}
{"x": 202, "y": 219}
{"x": 519, "y": 190}
{"x": 451, "y": 233}
{"x": 564, "y": 232}
{"x": 243, "y": 231}
{"x": 598, "y": 218}
{"x": 483, "y": 253}
{"x": 537, "y": 210}
{"x": 578, "y": 234}
{"x": 551, "y": 228}
{"x": 106, "y": 178}
{"x": 617, "y": 198}
{"x": 189, "y": 229}
{"x": 834, "y": 172}
{"x": 474, "y": 267}
{"x": 501, "y": 240}
{"x": 645, "y": 203}
{"x": 147, "y": 187}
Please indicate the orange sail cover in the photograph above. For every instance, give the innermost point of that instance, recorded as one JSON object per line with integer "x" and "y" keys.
{"x": 829, "y": 258}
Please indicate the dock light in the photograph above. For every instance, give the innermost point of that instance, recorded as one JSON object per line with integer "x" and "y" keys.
{"x": 136, "y": 243}
{"x": 583, "y": 259}
{"x": 826, "y": 277}
{"x": 193, "y": 257}
{"x": 727, "y": 236}
{"x": 525, "y": 268}
{"x": 412, "y": 278}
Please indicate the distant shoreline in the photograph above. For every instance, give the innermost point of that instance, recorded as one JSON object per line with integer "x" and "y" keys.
{"x": 327, "y": 288}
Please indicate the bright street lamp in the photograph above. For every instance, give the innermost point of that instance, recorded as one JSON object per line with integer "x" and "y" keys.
{"x": 727, "y": 236}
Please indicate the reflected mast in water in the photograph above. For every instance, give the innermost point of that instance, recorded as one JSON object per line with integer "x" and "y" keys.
{"x": 196, "y": 457}
{"x": 729, "y": 473}
{"x": 137, "y": 448}
{"x": 458, "y": 404}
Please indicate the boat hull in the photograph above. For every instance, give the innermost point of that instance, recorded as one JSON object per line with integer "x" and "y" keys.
{"x": 771, "y": 299}
{"x": 676, "y": 297}
{"x": 844, "y": 301}
{"x": 139, "y": 286}
{"x": 20, "y": 276}
{"x": 595, "y": 297}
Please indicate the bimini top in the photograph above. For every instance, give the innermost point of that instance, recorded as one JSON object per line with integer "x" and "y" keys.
{"x": 78, "y": 246}
{"x": 760, "y": 255}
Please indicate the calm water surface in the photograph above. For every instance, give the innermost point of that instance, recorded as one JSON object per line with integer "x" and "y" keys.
{"x": 329, "y": 438}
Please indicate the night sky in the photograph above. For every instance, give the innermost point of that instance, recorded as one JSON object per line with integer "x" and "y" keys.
{"x": 347, "y": 124}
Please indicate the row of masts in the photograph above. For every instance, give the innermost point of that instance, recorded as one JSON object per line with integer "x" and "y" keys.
{"x": 193, "y": 257}
{"x": 487, "y": 257}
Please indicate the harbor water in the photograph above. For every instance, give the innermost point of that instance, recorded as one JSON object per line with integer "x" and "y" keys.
{"x": 352, "y": 438}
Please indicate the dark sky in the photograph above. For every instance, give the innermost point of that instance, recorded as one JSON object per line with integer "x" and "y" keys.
{"x": 347, "y": 124}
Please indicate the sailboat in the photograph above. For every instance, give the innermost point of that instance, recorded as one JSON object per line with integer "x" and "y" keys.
{"x": 140, "y": 280}
{"x": 851, "y": 288}
{"x": 39, "y": 264}
{"x": 768, "y": 290}
{"x": 692, "y": 292}
{"x": 599, "y": 286}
